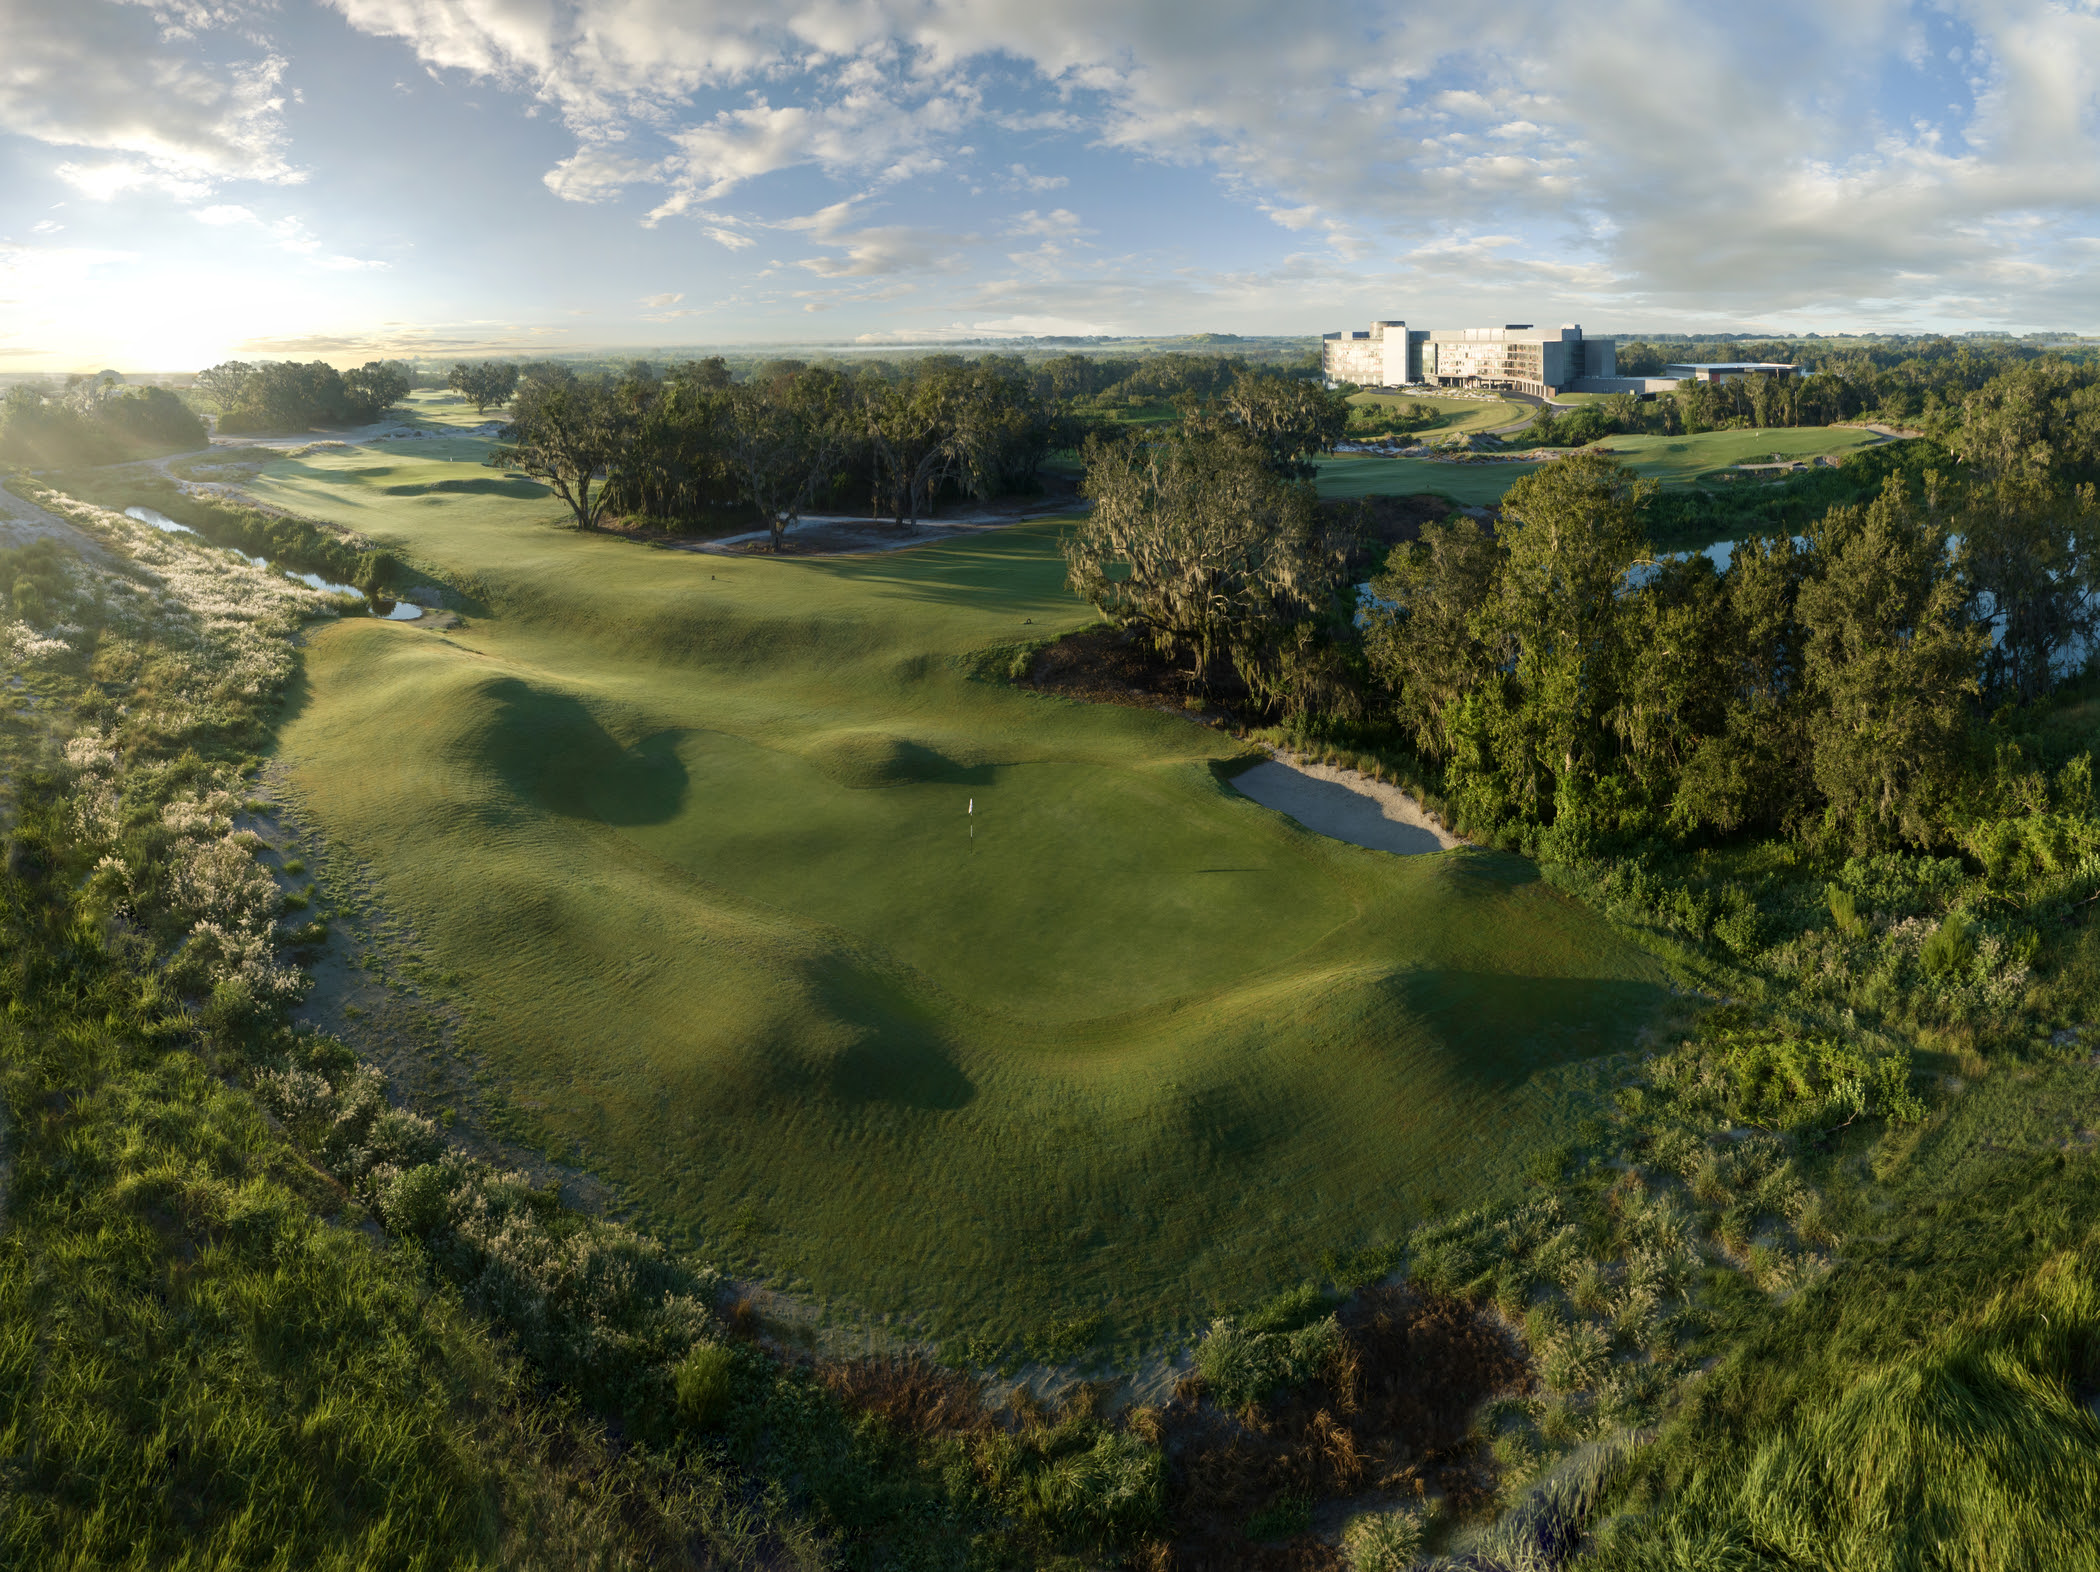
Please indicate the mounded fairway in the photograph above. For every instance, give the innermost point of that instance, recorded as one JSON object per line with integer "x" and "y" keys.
{"x": 691, "y": 833}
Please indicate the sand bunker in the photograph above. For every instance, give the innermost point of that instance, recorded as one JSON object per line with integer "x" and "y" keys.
{"x": 1345, "y": 805}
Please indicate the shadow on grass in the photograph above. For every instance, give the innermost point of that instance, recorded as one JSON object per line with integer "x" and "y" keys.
{"x": 551, "y": 750}
{"x": 1499, "y": 1029}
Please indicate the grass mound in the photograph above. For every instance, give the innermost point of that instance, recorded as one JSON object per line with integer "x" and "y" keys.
{"x": 864, "y": 759}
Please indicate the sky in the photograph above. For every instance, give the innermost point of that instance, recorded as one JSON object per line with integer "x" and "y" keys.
{"x": 186, "y": 180}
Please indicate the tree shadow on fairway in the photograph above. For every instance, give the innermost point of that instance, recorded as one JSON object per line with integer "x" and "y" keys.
{"x": 1498, "y": 1030}
{"x": 550, "y": 749}
{"x": 1479, "y": 872}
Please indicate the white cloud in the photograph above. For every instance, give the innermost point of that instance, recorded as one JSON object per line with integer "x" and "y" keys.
{"x": 1025, "y": 180}
{"x": 225, "y": 213}
{"x": 659, "y": 302}
{"x": 1740, "y": 159}
{"x": 130, "y": 81}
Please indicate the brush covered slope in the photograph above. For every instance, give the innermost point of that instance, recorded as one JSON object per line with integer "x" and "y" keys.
{"x": 695, "y": 837}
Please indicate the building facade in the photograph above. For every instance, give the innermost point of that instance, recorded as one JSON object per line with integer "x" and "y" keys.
{"x": 1728, "y": 370}
{"x": 1389, "y": 356}
{"x": 1516, "y": 357}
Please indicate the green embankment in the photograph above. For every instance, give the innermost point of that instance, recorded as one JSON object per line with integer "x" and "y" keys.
{"x": 692, "y": 832}
{"x": 1453, "y": 414}
{"x": 1666, "y": 460}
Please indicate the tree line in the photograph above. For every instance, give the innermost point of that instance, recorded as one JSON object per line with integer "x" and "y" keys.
{"x": 261, "y": 397}
{"x": 676, "y": 447}
{"x": 95, "y": 419}
{"x": 1925, "y": 387}
{"x": 1556, "y": 676}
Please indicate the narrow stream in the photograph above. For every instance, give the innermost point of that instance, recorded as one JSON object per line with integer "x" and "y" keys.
{"x": 380, "y": 606}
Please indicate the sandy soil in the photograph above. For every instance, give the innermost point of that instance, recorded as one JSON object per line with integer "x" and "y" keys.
{"x": 1345, "y": 805}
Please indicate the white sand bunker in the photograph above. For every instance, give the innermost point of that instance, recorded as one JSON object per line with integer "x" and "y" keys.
{"x": 1345, "y": 805}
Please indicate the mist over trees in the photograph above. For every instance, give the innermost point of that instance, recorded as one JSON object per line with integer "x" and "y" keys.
{"x": 94, "y": 420}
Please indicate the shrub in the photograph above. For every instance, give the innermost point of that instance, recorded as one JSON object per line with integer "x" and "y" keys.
{"x": 1382, "y": 1541}
{"x": 1844, "y": 911}
{"x": 1111, "y": 1491}
{"x": 1574, "y": 1359}
{"x": 1240, "y": 1367}
{"x": 1952, "y": 946}
{"x": 705, "y": 1380}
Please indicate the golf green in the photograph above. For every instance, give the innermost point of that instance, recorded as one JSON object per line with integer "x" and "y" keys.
{"x": 861, "y": 969}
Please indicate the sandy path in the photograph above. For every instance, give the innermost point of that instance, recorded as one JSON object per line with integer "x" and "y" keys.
{"x": 1345, "y": 805}
{"x": 22, "y": 522}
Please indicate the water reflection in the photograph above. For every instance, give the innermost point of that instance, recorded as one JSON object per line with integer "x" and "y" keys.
{"x": 392, "y": 611}
{"x": 159, "y": 521}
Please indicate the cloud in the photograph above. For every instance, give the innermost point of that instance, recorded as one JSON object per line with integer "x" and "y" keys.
{"x": 592, "y": 174}
{"x": 1023, "y": 180}
{"x": 134, "y": 82}
{"x": 1057, "y": 224}
{"x": 1742, "y": 159}
{"x": 225, "y": 213}
{"x": 659, "y": 302}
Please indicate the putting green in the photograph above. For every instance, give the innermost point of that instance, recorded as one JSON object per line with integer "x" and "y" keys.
{"x": 693, "y": 834}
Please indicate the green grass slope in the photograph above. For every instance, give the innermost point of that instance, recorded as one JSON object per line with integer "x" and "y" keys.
{"x": 692, "y": 833}
{"x": 1453, "y": 414}
{"x": 1666, "y": 460}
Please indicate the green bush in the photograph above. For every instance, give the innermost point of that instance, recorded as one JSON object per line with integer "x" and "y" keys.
{"x": 1382, "y": 1541}
{"x": 1844, "y": 911}
{"x": 705, "y": 1381}
{"x": 1952, "y": 946}
{"x": 1109, "y": 1492}
{"x": 1240, "y": 1367}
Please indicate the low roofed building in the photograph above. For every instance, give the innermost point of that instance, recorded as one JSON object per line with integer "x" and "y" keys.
{"x": 1728, "y": 370}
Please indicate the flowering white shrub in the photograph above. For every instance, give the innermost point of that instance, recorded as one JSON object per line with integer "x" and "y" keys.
{"x": 90, "y": 754}
{"x": 26, "y": 644}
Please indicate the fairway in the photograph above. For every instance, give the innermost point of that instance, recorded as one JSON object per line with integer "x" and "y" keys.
{"x": 692, "y": 833}
{"x": 1453, "y": 414}
{"x": 1666, "y": 460}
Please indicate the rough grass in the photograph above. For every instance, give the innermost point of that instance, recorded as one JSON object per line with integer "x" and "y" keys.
{"x": 1933, "y": 1404}
{"x": 692, "y": 832}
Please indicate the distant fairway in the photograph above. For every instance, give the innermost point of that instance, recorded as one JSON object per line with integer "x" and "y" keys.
{"x": 691, "y": 831}
{"x": 1668, "y": 460}
{"x": 1453, "y": 414}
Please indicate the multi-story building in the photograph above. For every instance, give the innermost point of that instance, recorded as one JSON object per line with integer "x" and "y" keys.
{"x": 1516, "y": 356}
{"x": 1389, "y": 356}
